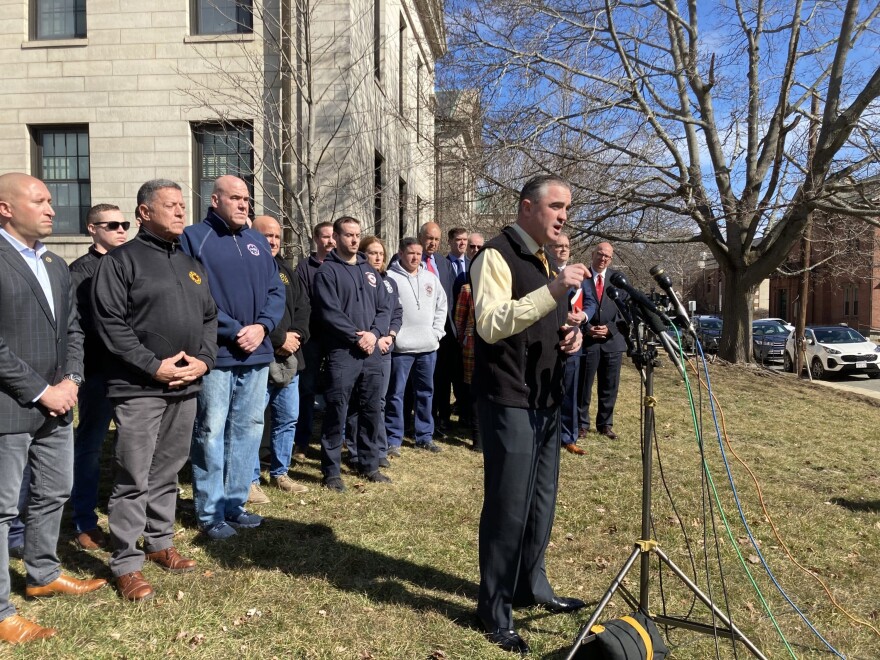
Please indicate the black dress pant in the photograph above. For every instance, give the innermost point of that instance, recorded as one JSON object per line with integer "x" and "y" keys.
{"x": 603, "y": 368}
{"x": 521, "y": 457}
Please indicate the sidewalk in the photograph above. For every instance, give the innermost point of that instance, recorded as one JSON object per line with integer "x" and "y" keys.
{"x": 868, "y": 388}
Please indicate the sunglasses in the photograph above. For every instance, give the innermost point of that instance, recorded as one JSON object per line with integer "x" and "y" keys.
{"x": 113, "y": 226}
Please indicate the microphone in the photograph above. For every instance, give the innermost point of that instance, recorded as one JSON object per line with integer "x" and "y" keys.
{"x": 619, "y": 280}
{"x": 681, "y": 315}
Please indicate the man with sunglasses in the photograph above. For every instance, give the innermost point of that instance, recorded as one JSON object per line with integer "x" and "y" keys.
{"x": 108, "y": 229}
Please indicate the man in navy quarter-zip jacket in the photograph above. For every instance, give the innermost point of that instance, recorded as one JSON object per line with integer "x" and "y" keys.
{"x": 355, "y": 311}
{"x": 250, "y": 299}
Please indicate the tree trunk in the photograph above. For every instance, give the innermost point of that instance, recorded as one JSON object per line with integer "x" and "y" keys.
{"x": 736, "y": 311}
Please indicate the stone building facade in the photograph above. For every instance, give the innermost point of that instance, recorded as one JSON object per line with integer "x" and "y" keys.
{"x": 324, "y": 106}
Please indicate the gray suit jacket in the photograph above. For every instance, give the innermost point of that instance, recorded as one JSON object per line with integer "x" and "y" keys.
{"x": 36, "y": 349}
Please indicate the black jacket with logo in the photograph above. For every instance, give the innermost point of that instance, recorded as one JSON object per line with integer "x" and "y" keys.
{"x": 150, "y": 301}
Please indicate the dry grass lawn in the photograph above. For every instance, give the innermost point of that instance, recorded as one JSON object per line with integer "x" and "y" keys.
{"x": 390, "y": 572}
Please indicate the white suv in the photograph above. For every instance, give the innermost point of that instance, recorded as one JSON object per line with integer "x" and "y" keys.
{"x": 835, "y": 349}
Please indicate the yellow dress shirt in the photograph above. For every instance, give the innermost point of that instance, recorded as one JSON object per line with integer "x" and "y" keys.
{"x": 498, "y": 316}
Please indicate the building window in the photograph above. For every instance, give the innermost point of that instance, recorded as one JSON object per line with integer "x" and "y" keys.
{"x": 61, "y": 160}
{"x": 855, "y": 300}
{"x": 221, "y": 149}
{"x": 782, "y": 303}
{"x": 419, "y": 66}
{"x": 223, "y": 17}
{"x": 377, "y": 193}
{"x": 846, "y": 301}
{"x": 377, "y": 39}
{"x": 401, "y": 208}
{"x": 58, "y": 19}
{"x": 401, "y": 68}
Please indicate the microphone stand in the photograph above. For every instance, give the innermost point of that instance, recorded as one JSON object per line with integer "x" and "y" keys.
{"x": 643, "y": 358}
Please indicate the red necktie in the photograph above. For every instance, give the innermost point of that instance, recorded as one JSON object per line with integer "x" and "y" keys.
{"x": 430, "y": 265}
{"x": 600, "y": 287}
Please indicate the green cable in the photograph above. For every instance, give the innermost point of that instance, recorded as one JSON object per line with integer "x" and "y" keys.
{"x": 717, "y": 498}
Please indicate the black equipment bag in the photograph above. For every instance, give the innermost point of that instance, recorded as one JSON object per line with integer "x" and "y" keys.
{"x": 633, "y": 637}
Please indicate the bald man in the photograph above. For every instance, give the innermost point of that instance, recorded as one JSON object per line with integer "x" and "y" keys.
{"x": 449, "y": 353}
{"x": 40, "y": 374}
{"x": 244, "y": 281}
{"x": 282, "y": 396}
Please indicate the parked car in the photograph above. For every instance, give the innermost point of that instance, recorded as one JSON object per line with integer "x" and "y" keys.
{"x": 788, "y": 326}
{"x": 835, "y": 349}
{"x": 708, "y": 331}
{"x": 768, "y": 340}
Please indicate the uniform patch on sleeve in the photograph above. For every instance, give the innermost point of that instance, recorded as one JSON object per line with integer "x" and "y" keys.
{"x": 194, "y": 276}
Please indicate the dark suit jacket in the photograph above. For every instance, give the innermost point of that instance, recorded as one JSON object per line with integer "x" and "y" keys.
{"x": 606, "y": 314}
{"x": 36, "y": 349}
{"x": 447, "y": 279}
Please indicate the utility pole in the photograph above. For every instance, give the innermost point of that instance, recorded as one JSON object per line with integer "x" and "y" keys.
{"x": 806, "y": 252}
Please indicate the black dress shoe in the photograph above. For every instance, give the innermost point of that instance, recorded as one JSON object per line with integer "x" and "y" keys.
{"x": 608, "y": 432}
{"x": 509, "y": 640}
{"x": 561, "y": 605}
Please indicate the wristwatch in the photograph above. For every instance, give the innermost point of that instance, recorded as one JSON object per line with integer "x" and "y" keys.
{"x": 76, "y": 379}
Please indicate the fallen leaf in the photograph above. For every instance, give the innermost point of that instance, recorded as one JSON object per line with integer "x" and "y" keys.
{"x": 180, "y": 595}
{"x": 753, "y": 559}
{"x": 437, "y": 654}
{"x": 322, "y": 612}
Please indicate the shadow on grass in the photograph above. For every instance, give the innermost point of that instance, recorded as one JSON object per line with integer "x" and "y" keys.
{"x": 867, "y": 506}
{"x": 302, "y": 549}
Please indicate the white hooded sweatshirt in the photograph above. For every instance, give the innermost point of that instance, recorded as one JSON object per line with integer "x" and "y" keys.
{"x": 424, "y": 310}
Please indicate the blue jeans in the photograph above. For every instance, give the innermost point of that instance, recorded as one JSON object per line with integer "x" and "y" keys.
{"x": 422, "y": 367}
{"x": 283, "y": 405}
{"x": 226, "y": 440}
{"x": 95, "y": 415}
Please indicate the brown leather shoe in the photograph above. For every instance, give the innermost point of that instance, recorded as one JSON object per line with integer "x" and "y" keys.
{"x": 608, "y": 432}
{"x": 171, "y": 560}
{"x": 65, "y": 584}
{"x": 583, "y": 432}
{"x": 16, "y": 629}
{"x": 572, "y": 448}
{"x": 92, "y": 539}
{"x": 133, "y": 586}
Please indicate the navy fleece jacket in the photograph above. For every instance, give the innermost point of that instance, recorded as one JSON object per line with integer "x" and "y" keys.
{"x": 351, "y": 297}
{"x": 244, "y": 283}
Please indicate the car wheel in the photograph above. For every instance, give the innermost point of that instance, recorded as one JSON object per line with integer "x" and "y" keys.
{"x": 787, "y": 363}
{"x": 818, "y": 369}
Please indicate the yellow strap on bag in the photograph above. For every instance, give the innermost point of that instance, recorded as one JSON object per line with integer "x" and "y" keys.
{"x": 646, "y": 638}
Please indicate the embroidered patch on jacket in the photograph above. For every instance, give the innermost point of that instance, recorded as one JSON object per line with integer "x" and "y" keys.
{"x": 194, "y": 276}
{"x": 253, "y": 249}
{"x": 371, "y": 278}
{"x": 284, "y": 279}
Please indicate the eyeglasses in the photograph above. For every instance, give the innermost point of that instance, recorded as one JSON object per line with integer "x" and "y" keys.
{"x": 475, "y": 247}
{"x": 113, "y": 226}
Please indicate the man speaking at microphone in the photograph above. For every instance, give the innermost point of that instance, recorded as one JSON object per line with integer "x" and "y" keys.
{"x": 522, "y": 342}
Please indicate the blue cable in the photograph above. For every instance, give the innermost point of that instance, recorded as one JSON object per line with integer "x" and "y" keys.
{"x": 742, "y": 514}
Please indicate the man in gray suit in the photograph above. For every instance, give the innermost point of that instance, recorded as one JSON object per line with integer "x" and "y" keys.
{"x": 40, "y": 372}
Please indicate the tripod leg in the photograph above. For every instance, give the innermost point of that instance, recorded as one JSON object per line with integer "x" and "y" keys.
{"x": 708, "y": 603}
{"x": 615, "y": 585}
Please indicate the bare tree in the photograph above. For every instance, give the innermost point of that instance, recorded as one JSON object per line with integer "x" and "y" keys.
{"x": 682, "y": 128}
{"x": 307, "y": 77}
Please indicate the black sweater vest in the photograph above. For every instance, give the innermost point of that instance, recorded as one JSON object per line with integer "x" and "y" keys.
{"x": 524, "y": 370}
